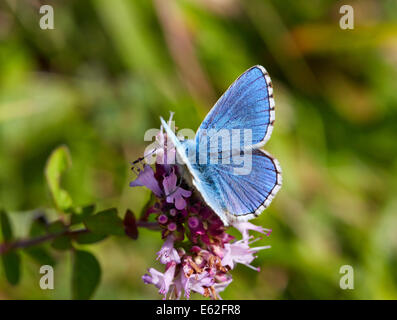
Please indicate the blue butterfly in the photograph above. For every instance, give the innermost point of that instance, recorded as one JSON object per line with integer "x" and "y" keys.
{"x": 247, "y": 104}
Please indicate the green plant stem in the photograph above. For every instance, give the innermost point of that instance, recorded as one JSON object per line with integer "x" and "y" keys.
{"x": 24, "y": 243}
{"x": 148, "y": 225}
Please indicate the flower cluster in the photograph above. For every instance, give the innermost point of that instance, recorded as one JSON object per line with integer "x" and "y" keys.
{"x": 197, "y": 252}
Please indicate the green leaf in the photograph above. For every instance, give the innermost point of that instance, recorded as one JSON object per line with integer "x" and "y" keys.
{"x": 89, "y": 238}
{"x": 82, "y": 214}
{"x": 40, "y": 255}
{"x": 86, "y": 275}
{"x": 58, "y": 162}
{"x": 6, "y": 229}
{"x": 56, "y": 227}
{"x": 12, "y": 266}
{"x": 62, "y": 243}
{"x": 38, "y": 227}
{"x": 106, "y": 222}
{"x": 11, "y": 260}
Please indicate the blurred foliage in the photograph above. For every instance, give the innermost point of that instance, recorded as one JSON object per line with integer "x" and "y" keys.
{"x": 109, "y": 69}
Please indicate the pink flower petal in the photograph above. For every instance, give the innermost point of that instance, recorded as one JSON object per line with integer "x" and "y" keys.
{"x": 162, "y": 281}
{"x": 167, "y": 252}
{"x": 244, "y": 227}
{"x": 146, "y": 178}
{"x": 175, "y": 194}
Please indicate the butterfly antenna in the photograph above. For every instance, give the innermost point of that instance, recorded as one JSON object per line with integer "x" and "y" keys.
{"x": 137, "y": 165}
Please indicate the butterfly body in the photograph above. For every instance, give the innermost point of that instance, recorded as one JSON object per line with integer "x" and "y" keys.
{"x": 242, "y": 119}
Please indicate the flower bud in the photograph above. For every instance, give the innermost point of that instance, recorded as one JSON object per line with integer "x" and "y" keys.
{"x": 193, "y": 222}
{"x": 162, "y": 219}
{"x": 172, "y": 226}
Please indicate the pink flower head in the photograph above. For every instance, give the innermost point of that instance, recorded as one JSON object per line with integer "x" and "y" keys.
{"x": 146, "y": 178}
{"x": 175, "y": 194}
{"x": 197, "y": 252}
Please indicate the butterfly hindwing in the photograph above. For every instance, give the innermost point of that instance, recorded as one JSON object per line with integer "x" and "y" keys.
{"x": 236, "y": 197}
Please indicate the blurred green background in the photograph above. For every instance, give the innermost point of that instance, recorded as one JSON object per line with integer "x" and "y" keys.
{"x": 109, "y": 69}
